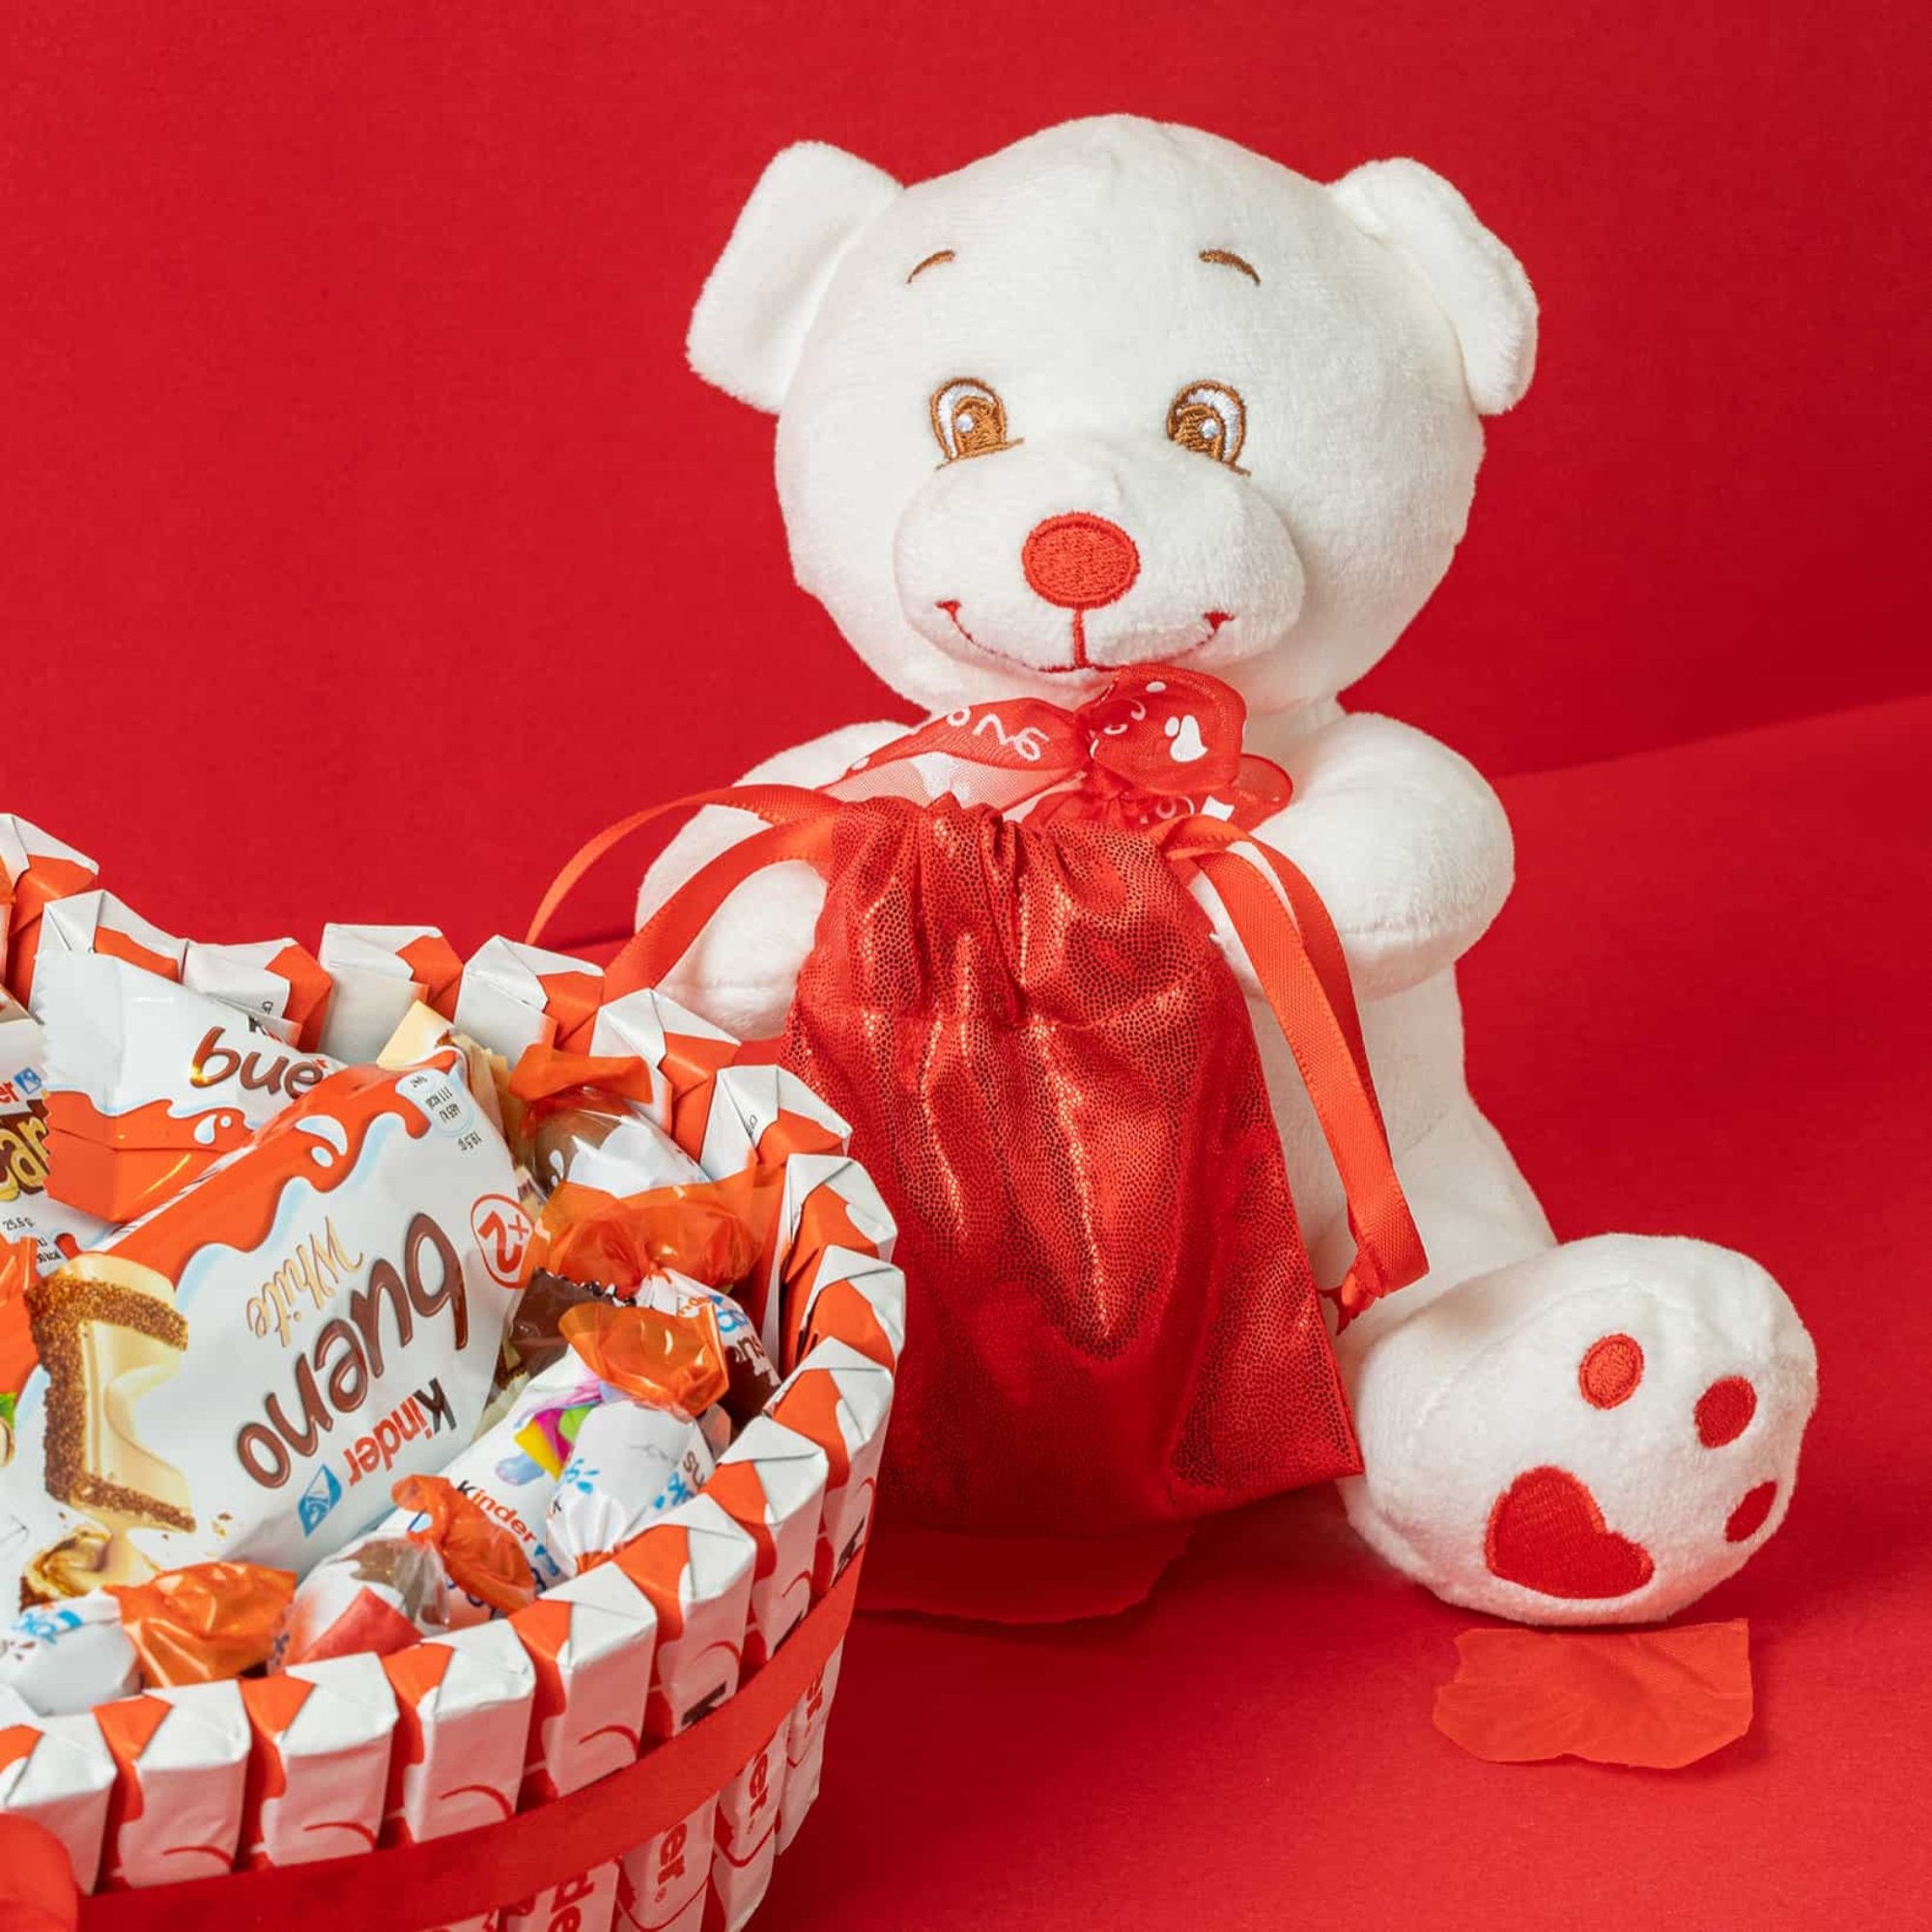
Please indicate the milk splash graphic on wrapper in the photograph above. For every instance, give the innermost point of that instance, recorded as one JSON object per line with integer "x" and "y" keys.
{"x": 244, "y": 1372}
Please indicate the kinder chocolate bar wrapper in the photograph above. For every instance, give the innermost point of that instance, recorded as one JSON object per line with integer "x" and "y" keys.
{"x": 805, "y": 1749}
{"x": 64, "y": 1658}
{"x": 148, "y": 1084}
{"x": 463, "y": 1725}
{"x": 378, "y": 973}
{"x": 273, "y": 981}
{"x": 58, "y": 1773}
{"x": 839, "y": 1400}
{"x": 97, "y": 921}
{"x": 682, "y": 1051}
{"x": 515, "y": 996}
{"x": 858, "y": 1299}
{"x": 592, "y": 1640}
{"x": 583, "y": 1902}
{"x": 757, "y": 1113}
{"x": 318, "y": 1761}
{"x": 511, "y": 1472}
{"x": 631, "y": 1462}
{"x": 27, "y": 1211}
{"x": 828, "y": 1201}
{"x": 377, "y": 1597}
{"x": 323, "y": 1308}
{"x": 771, "y": 1483}
{"x": 182, "y": 1756}
{"x": 34, "y": 871}
{"x": 695, "y": 1564}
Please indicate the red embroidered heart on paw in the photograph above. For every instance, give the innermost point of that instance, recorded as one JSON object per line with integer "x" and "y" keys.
{"x": 1548, "y": 1534}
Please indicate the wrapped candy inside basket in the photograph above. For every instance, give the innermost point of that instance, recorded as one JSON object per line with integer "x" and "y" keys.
{"x": 576, "y": 1672}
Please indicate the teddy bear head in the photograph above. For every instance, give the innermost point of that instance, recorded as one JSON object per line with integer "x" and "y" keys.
{"x": 1122, "y": 392}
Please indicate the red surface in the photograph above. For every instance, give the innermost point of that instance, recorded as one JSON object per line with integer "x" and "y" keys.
{"x": 1253, "y": 1746}
{"x": 352, "y": 477}
{"x": 363, "y": 544}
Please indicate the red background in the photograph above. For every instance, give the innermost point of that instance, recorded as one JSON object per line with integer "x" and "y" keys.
{"x": 355, "y": 504}
{"x": 363, "y": 543}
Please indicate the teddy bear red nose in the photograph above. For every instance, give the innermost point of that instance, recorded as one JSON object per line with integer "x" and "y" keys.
{"x": 1080, "y": 561}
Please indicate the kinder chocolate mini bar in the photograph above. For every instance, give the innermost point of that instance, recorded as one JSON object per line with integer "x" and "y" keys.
{"x": 35, "y": 870}
{"x": 515, "y": 996}
{"x": 378, "y": 973}
{"x": 318, "y": 1761}
{"x": 682, "y": 1051}
{"x": 244, "y": 1373}
{"x": 148, "y": 1084}
{"x": 856, "y": 1298}
{"x": 828, "y": 1202}
{"x": 373, "y": 1597}
{"x": 57, "y": 1771}
{"x": 278, "y": 984}
{"x": 463, "y": 1725}
{"x": 757, "y": 1113}
{"x": 183, "y": 1763}
{"x": 695, "y": 1564}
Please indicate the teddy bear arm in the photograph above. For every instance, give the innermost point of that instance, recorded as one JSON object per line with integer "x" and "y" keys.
{"x": 742, "y": 972}
{"x": 1405, "y": 842}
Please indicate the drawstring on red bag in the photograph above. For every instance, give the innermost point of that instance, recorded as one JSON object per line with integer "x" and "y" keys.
{"x": 1051, "y": 1072}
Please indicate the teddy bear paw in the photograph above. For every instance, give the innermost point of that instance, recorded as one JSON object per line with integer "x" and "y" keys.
{"x": 1597, "y": 1435}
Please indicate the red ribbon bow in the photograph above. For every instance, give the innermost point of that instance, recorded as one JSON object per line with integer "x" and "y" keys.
{"x": 1159, "y": 744}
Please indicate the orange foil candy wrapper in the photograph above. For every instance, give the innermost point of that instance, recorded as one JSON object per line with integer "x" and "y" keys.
{"x": 206, "y": 1622}
{"x": 674, "y": 1361}
{"x": 713, "y": 1231}
{"x": 479, "y": 1557}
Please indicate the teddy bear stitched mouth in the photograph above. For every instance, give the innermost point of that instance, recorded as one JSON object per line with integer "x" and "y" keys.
{"x": 1214, "y": 620}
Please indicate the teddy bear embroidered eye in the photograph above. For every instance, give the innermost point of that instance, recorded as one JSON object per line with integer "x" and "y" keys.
{"x": 1127, "y": 394}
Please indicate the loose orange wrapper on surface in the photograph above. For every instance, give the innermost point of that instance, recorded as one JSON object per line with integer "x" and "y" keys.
{"x": 206, "y": 1622}
{"x": 479, "y": 1556}
{"x": 712, "y": 1230}
{"x": 669, "y": 1361}
{"x": 1658, "y": 1699}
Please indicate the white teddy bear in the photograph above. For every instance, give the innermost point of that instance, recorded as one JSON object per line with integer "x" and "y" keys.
{"x": 1127, "y": 392}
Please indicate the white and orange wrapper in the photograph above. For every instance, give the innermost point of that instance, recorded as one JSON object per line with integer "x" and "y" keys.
{"x": 856, "y": 1298}
{"x": 840, "y": 1400}
{"x": 695, "y": 1564}
{"x": 515, "y": 996}
{"x": 828, "y": 1202}
{"x": 319, "y": 1762}
{"x": 149, "y": 1083}
{"x": 463, "y": 1723}
{"x": 681, "y": 1050}
{"x": 756, "y": 1114}
{"x": 592, "y": 1641}
{"x": 181, "y": 1758}
{"x": 27, "y": 1211}
{"x": 771, "y": 1482}
{"x": 35, "y": 868}
{"x": 378, "y": 973}
{"x": 58, "y": 1773}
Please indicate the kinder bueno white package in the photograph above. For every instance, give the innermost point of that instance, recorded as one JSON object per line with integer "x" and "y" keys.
{"x": 58, "y": 1773}
{"x": 319, "y": 1762}
{"x": 695, "y": 1564}
{"x": 515, "y": 996}
{"x": 176, "y": 1810}
{"x": 245, "y": 1372}
{"x": 148, "y": 1084}
{"x": 462, "y": 1724}
{"x": 378, "y": 973}
{"x": 35, "y": 870}
{"x": 27, "y": 1211}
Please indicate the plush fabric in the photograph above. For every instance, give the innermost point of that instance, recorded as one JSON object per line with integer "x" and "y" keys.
{"x": 1126, "y": 393}
{"x": 1253, "y": 1748}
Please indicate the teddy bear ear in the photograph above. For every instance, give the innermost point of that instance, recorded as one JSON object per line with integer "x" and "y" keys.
{"x": 1480, "y": 285}
{"x": 751, "y": 321}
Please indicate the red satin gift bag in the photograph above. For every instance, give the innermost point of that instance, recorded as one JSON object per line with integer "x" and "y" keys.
{"x": 1051, "y": 1075}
